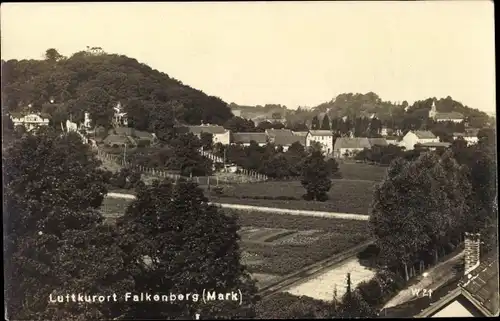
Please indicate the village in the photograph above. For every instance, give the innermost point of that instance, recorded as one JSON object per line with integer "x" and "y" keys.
{"x": 323, "y": 166}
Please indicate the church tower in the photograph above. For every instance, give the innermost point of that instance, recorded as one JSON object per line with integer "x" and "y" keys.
{"x": 433, "y": 111}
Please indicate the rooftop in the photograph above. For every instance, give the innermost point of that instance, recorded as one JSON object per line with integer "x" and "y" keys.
{"x": 278, "y": 132}
{"x": 321, "y": 132}
{"x": 436, "y": 144}
{"x": 482, "y": 286}
{"x": 211, "y": 129}
{"x": 450, "y": 115}
{"x": 246, "y": 138}
{"x": 116, "y": 140}
{"x": 288, "y": 140}
{"x": 377, "y": 141}
{"x": 354, "y": 142}
{"x": 424, "y": 134}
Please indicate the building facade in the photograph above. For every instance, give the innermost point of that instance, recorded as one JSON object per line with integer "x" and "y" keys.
{"x": 444, "y": 117}
{"x": 323, "y": 137}
{"x": 30, "y": 121}
{"x": 413, "y": 138}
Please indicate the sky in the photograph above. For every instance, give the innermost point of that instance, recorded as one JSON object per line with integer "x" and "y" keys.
{"x": 289, "y": 53}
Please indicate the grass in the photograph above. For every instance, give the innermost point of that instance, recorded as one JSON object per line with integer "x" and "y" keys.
{"x": 280, "y": 259}
{"x": 345, "y": 196}
{"x": 361, "y": 171}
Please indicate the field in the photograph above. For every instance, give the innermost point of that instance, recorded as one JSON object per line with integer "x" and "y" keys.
{"x": 345, "y": 196}
{"x": 281, "y": 244}
{"x": 360, "y": 171}
{"x": 274, "y": 245}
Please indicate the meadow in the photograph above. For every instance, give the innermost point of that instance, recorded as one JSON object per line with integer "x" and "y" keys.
{"x": 345, "y": 196}
{"x": 361, "y": 171}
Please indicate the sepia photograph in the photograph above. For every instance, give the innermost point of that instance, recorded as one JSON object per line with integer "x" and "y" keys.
{"x": 249, "y": 160}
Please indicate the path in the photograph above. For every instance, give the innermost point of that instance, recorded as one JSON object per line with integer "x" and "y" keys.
{"x": 437, "y": 276}
{"x": 273, "y": 210}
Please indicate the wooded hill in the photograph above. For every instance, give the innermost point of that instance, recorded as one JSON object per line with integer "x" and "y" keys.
{"x": 359, "y": 105}
{"x": 95, "y": 81}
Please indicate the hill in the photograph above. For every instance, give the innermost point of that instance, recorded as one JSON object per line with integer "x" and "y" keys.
{"x": 95, "y": 81}
{"x": 364, "y": 105}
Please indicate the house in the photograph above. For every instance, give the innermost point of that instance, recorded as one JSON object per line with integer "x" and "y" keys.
{"x": 323, "y": 137}
{"x": 442, "y": 117}
{"x": 348, "y": 147}
{"x": 219, "y": 133}
{"x": 377, "y": 142}
{"x": 477, "y": 293}
{"x": 245, "y": 138}
{"x": 384, "y": 131}
{"x": 30, "y": 120}
{"x": 433, "y": 146}
{"x": 286, "y": 141}
{"x": 417, "y": 137}
{"x": 470, "y": 136}
{"x": 117, "y": 141}
{"x": 392, "y": 140}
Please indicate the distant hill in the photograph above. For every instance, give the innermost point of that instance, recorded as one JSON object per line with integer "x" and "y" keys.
{"x": 95, "y": 81}
{"x": 365, "y": 105}
{"x": 266, "y": 111}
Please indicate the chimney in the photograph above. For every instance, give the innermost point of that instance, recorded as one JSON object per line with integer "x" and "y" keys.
{"x": 472, "y": 245}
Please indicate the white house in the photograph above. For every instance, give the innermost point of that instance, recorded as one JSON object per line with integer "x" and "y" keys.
{"x": 30, "y": 120}
{"x": 417, "y": 137}
{"x": 470, "y": 136}
{"x": 323, "y": 137}
{"x": 442, "y": 117}
{"x": 348, "y": 147}
{"x": 245, "y": 138}
{"x": 219, "y": 133}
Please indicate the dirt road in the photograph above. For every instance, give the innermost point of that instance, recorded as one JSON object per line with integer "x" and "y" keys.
{"x": 273, "y": 210}
{"x": 436, "y": 277}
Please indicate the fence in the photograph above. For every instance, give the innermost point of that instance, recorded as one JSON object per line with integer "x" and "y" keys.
{"x": 247, "y": 176}
{"x": 247, "y": 172}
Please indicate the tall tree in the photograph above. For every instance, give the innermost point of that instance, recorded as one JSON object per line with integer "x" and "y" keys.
{"x": 191, "y": 245}
{"x": 315, "y": 125}
{"x": 54, "y": 243}
{"x": 325, "y": 124}
{"x": 316, "y": 177}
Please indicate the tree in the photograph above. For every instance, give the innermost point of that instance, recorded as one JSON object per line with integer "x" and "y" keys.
{"x": 54, "y": 242}
{"x": 353, "y": 305}
{"x": 325, "y": 124}
{"x": 316, "y": 177}
{"x": 182, "y": 235}
{"x": 418, "y": 208}
{"x": 186, "y": 156}
{"x": 206, "y": 140}
{"x": 52, "y": 55}
{"x": 239, "y": 125}
{"x": 315, "y": 123}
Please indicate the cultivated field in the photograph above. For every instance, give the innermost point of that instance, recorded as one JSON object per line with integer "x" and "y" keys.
{"x": 345, "y": 196}
{"x": 274, "y": 245}
{"x": 281, "y": 244}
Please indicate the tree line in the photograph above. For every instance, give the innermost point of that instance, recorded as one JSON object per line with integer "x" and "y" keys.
{"x": 424, "y": 207}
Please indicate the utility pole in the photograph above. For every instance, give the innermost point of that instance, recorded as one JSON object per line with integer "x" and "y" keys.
{"x": 124, "y": 154}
